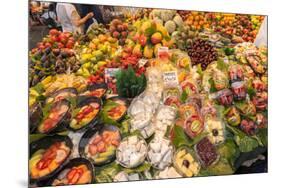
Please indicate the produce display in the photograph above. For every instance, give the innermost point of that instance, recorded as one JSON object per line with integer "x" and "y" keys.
{"x": 48, "y": 155}
{"x": 77, "y": 171}
{"x": 186, "y": 163}
{"x": 154, "y": 94}
{"x": 101, "y": 146}
{"x": 119, "y": 30}
{"x": 85, "y": 113}
{"x": 54, "y": 55}
{"x": 131, "y": 151}
{"x": 56, "y": 116}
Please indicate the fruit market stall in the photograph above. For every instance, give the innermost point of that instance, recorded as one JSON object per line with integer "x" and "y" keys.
{"x": 157, "y": 94}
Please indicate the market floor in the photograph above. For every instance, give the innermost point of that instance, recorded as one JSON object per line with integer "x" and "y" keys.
{"x": 36, "y": 33}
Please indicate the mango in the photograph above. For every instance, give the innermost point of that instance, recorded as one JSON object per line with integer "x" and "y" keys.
{"x": 162, "y": 30}
{"x": 156, "y": 38}
{"x": 156, "y": 49}
{"x": 168, "y": 43}
{"x": 137, "y": 50}
{"x": 145, "y": 25}
{"x": 148, "y": 52}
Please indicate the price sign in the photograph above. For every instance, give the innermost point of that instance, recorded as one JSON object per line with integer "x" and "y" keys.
{"x": 110, "y": 73}
{"x": 110, "y": 80}
{"x": 142, "y": 62}
{"x": 163, "y": 52}
{"x": 170, "y": 79}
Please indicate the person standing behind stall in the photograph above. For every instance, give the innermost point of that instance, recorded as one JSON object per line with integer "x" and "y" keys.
{"x": 69, "y": 18}
{"x": 85, "y": 9}
{"x": 50, "y": 17}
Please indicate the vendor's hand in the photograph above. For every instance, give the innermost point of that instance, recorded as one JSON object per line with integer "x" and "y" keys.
{"x": 90, "y": 15}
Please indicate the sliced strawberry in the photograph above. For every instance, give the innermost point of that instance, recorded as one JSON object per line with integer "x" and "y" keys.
{"x": 87, "y": 110}
{"x": 73, "y": 176}
{"x": 42, "y": 164}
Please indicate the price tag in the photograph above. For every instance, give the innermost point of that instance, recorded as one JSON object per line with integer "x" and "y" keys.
{"x": 110, "y": 80}
{"x": 163, "y": 51}
{"x": 142, "y": 62}
{"x": 110, "y": 73}
{"x": 170, "y": 79}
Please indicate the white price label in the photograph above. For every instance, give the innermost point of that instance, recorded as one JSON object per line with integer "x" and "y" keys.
{"x": 110, "y": 73}
{"x": 170, "y": 79}
{"x": 162, "y": 50}
{"x": 142, "y": 62}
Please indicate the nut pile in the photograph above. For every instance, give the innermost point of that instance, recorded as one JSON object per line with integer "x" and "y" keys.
{"x": 202, "y": 52}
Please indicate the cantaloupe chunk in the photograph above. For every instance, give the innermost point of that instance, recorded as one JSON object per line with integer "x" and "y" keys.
{"x": 43, "y": 172}
{"x": 85, "y": 178}
{"x": 53, "y": 166}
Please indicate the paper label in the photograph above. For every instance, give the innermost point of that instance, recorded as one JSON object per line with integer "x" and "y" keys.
{"x": 110, "y": 80}
{"x": 110, "y": 72}
{"x": 142, "y": 62}
{"x": 170, "y": 79}
{"x": 162, "y": 51}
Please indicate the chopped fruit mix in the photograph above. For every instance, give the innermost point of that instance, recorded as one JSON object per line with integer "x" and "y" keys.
{"x": 116, "y": 112}
{"x": 85, "y": 115}
{"x": 74, "y": 176}
{"x": 102, "y": 146}
{"x": 193, "y": 126}
{"x": 186, "y": 164}
{"x": 233, "y": 117}
{"x": 215, "y": 131}
{"x": 56, "y": 114}
{"x": 172, "y": 101}
{"x": 45, "y": 161}
{"x": 99, "y": 92}
{"x": 60, "y": 96}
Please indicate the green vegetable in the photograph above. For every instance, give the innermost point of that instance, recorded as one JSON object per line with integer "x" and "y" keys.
{"x": 129, "y": 84}
{"x": 180, "y": 139}
{"x": 245, "y": 143}
{"x": 229, "y": 151}
{"x": 262, "y": 136}
{"x": 184, "y": 96}
{"x": 222, "y": 167}
{"x": 106, "y": 173}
